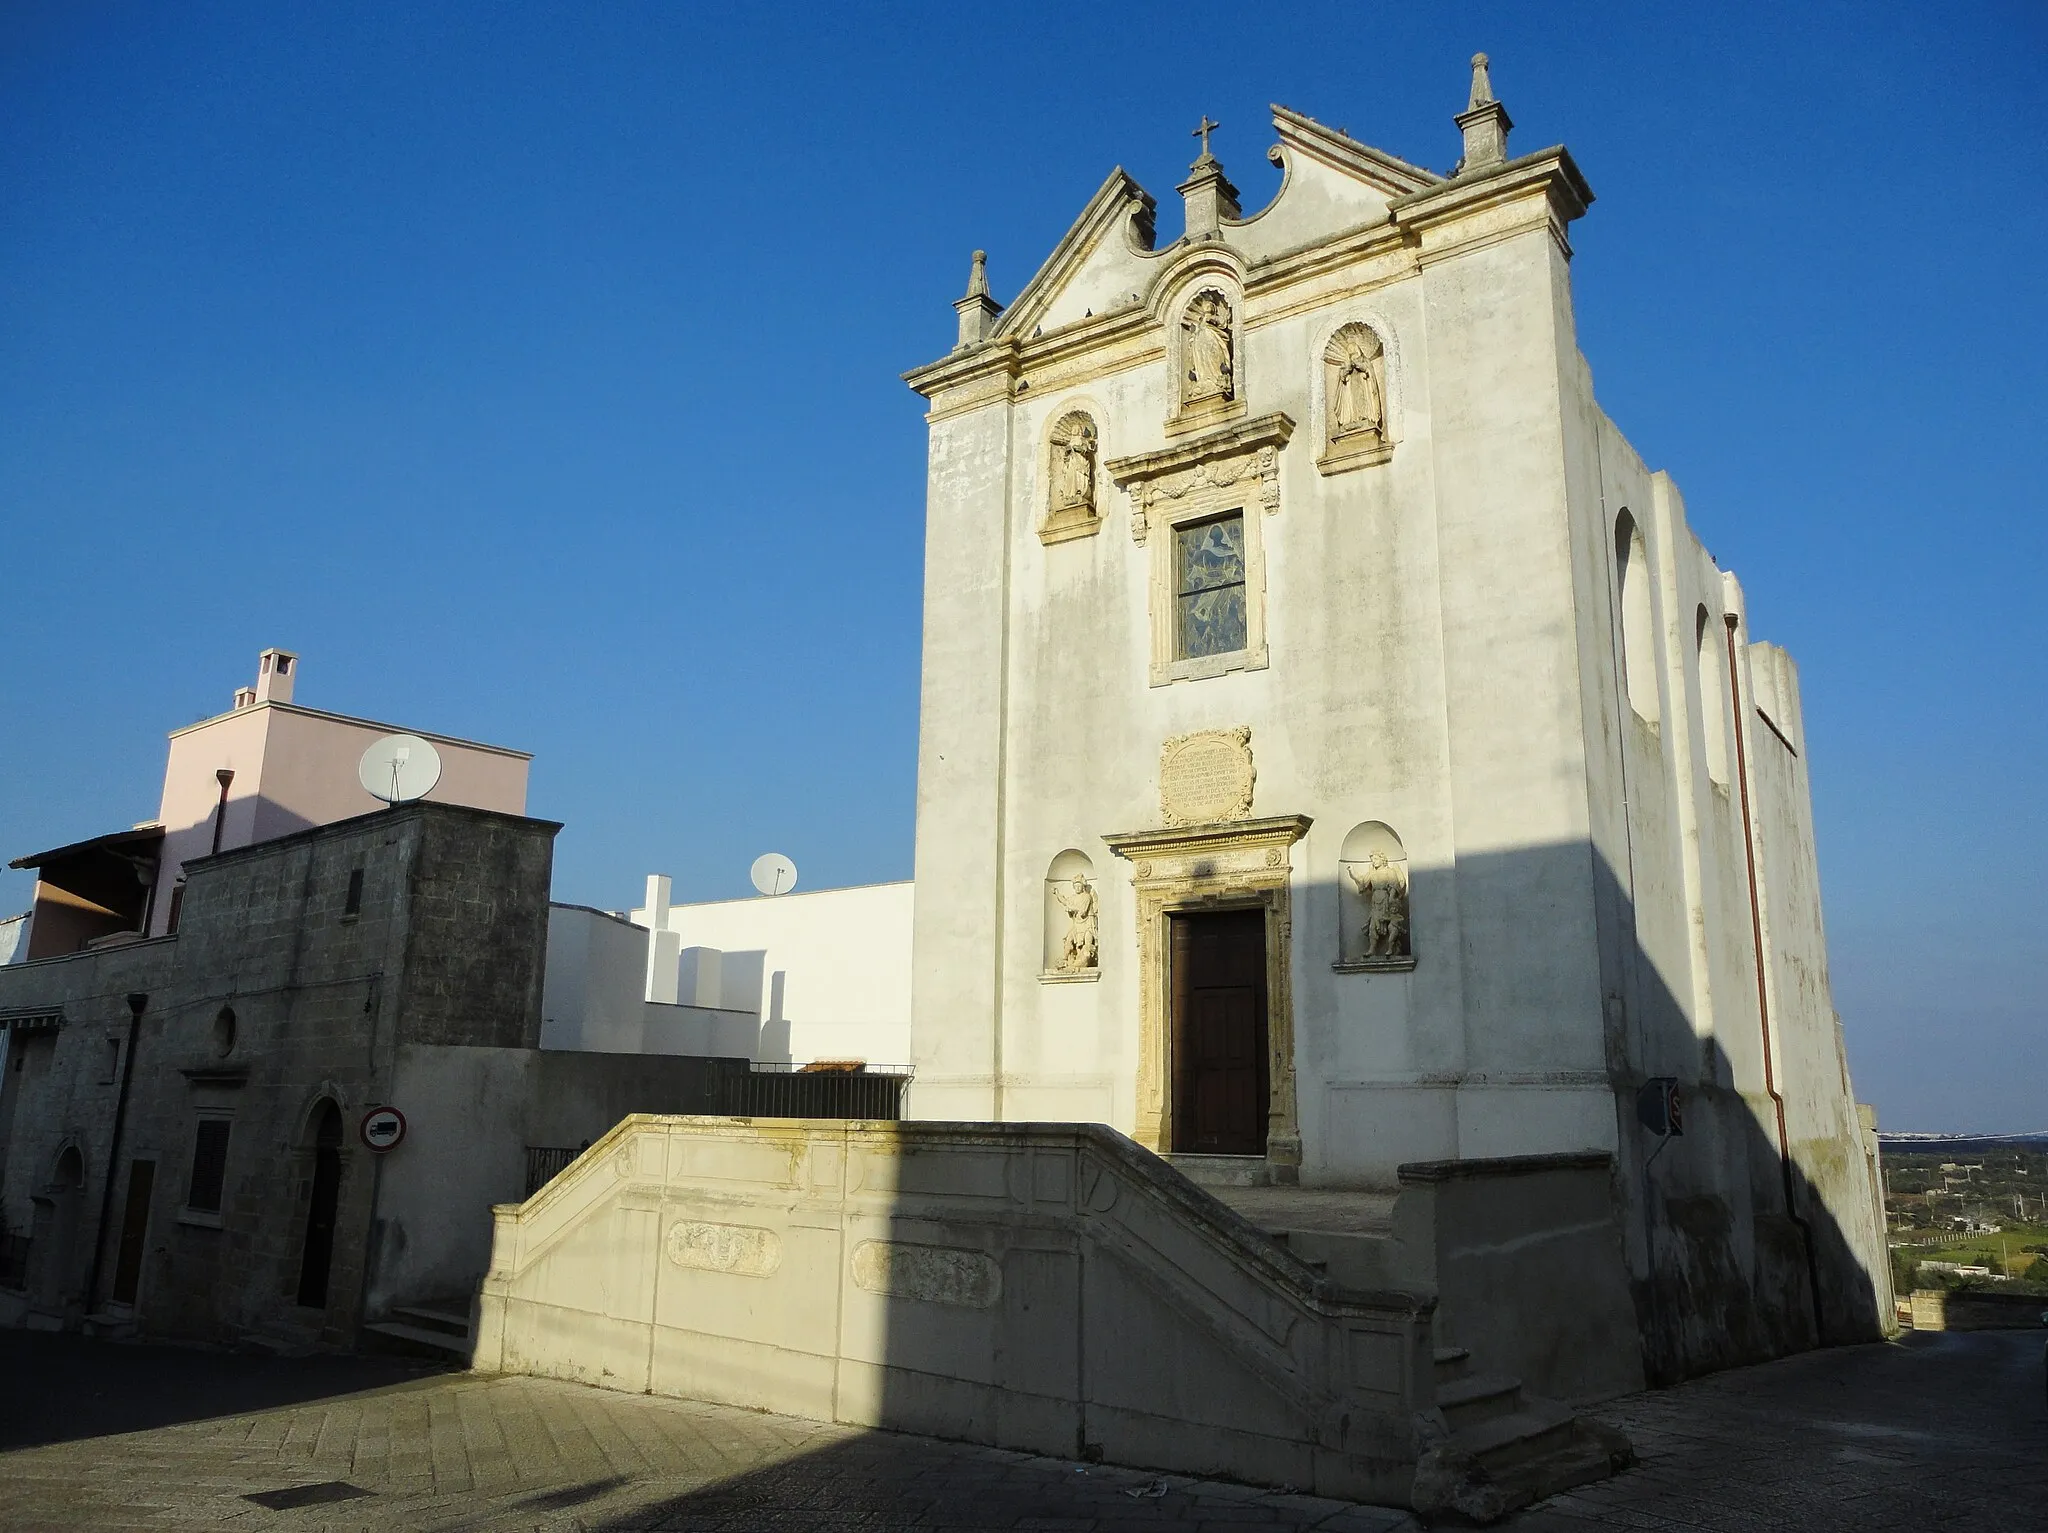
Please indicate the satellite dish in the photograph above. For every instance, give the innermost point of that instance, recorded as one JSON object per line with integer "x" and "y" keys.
{"x": 774, "y": 873}
{"x": 400, "y": 768}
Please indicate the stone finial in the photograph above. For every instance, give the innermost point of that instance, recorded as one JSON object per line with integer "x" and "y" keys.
{"x": 1482, "y": 84}
{"x": 977, "y": 310}
{"x": 1207, "y": 192}
{"x": 1484, "y": 122}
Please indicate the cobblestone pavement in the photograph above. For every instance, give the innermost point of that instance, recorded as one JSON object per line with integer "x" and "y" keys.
{"x": 1938, "y": 1431}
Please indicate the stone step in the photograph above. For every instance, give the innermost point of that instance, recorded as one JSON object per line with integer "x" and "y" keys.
{"x": 434, "y": 1319}
{"x": 1520, "y": 1436}
{"x": 1589, "y": 1453}
{"x": 1223, "y": 1170}
{"x": 439, "y": 1342}
{"x": 1478, "y": 1397}
{"x": 1452, "y": 1363}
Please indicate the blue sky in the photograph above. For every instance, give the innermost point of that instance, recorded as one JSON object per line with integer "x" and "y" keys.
{"x": 532, "y": 370}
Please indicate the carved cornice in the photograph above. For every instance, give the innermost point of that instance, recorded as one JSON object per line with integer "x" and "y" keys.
{"x": 1550, "y": 173}
{"x": 996, "y": 359}
{"x": 1281, "y": 830}
{"x": 1215, "y": 458}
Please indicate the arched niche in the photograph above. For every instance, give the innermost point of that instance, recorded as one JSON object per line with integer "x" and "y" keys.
{"x": 1073, "y": 447}
{"x": 1374, "y": 930}
{"x": 1638, "y": 619}
{"x": 1205, "y": 351}
{"x": 1073, "y": 924}
{"x": 1714, "y": 701}
{"x": 1354, "y": 398}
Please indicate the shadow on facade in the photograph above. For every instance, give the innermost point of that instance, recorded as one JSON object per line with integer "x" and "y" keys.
{"x": 1752, "y": 1233}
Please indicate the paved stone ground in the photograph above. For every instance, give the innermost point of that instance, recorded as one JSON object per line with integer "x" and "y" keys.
{"x": 1938, "y": 1431}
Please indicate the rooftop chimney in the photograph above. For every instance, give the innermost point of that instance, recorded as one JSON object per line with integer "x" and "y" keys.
{"x": 276, "y": 671}
{"x": 244, "y": 697}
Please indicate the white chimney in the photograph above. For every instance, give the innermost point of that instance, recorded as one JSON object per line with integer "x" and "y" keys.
{"x": 276, "y": 671}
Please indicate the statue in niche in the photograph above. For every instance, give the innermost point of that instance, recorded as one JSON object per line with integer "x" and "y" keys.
{"x": 1384, "y": 888}
{"x": 1073, "y": 464}
{"x": 1079, "y": 950}
{"x": 1207, "y": 350}
{"x": 1354, "y": 375}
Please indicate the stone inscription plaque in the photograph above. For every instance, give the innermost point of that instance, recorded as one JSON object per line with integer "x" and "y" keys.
{"x": 1207, "y": 777}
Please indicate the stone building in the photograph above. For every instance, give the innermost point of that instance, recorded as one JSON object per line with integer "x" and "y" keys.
{"x": 1339, "y": 754}
{"x": 265, "y": 768}
{"x": 181, "y": 1122}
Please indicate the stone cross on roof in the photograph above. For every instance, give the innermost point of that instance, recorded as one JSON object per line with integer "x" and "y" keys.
{"x": 1202, "y": 132}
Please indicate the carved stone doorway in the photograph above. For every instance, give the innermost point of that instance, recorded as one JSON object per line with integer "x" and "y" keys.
{"x": 1220, "y": 1092}
{"x": 1236, "y": 868}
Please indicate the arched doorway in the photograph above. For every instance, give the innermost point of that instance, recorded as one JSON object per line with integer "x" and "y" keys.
{"x": 320, "y": 1209}
{"x": 54, "y": 1238}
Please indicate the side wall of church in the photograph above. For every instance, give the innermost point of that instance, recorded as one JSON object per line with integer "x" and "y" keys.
{"x": 1720, "y": 1261}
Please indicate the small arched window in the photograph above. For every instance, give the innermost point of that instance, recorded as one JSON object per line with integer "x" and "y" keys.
{"x": 1638, "y": 622}
{"x": 1714, "y": 724}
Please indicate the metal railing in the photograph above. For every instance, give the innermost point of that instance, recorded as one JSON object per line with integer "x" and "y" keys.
{"x": 546, "y": 1162}
{"x": 871, "y": 1092}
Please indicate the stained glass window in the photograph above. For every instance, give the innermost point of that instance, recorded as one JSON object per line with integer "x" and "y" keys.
{"x": 1209, "y": 569}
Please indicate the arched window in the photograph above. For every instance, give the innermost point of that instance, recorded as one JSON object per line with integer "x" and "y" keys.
{"x": 1714, "y": 706}
{"x": 1638, "y": 623}
{"x": 1072, "y": 918}
{"x": 316, "y": 1249}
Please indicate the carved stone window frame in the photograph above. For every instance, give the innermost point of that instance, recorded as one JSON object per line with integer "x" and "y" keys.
{"x": 1235, "y": 865}
{"x": 1236, "y": 468}
{"x": 1340, "y": 456}
{"x": 1181, "y": 417}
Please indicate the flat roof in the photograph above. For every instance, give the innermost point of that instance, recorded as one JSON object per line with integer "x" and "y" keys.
{"x": 140, "y": 835}
{"x": 345, "y": 718}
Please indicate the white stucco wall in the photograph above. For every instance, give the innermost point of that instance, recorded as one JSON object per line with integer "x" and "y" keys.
{"x": 592, "y": 997}
{"x": 826, "y": 972}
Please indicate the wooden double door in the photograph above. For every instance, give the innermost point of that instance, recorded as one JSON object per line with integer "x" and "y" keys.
{"x": 1220, "y": 1086}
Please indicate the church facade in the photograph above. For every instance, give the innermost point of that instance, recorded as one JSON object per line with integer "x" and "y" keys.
{"x": 1338, "y": 752}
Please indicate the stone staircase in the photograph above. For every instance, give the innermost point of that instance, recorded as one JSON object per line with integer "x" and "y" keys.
{"x": 1504, "y": 1448}
{"x": 1501, "y": 1448}
{"x": 437, "y": 1328}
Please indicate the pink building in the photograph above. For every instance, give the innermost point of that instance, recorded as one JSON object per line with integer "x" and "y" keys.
{"x": 265, "y": 768}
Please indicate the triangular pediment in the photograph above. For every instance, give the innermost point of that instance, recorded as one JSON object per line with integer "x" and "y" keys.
{"x": 1331, "y": 148}
{"x": 1101, "y": 250}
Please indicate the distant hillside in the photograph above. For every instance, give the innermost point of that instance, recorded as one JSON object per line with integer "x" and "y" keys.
{"x": 1964, "y": 1144}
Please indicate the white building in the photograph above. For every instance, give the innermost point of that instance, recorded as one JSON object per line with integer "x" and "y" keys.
{"x": 794, "y": 978}
{"x": 1429, "y": 797}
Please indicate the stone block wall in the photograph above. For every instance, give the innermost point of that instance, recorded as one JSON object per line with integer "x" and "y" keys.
{"x": 278, "y": 994}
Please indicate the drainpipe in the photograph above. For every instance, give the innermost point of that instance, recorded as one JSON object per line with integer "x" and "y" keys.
{"x": 224, "y": 776}
{"x": 1763, "y": 993}
{"x": 136, "y": 1003}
